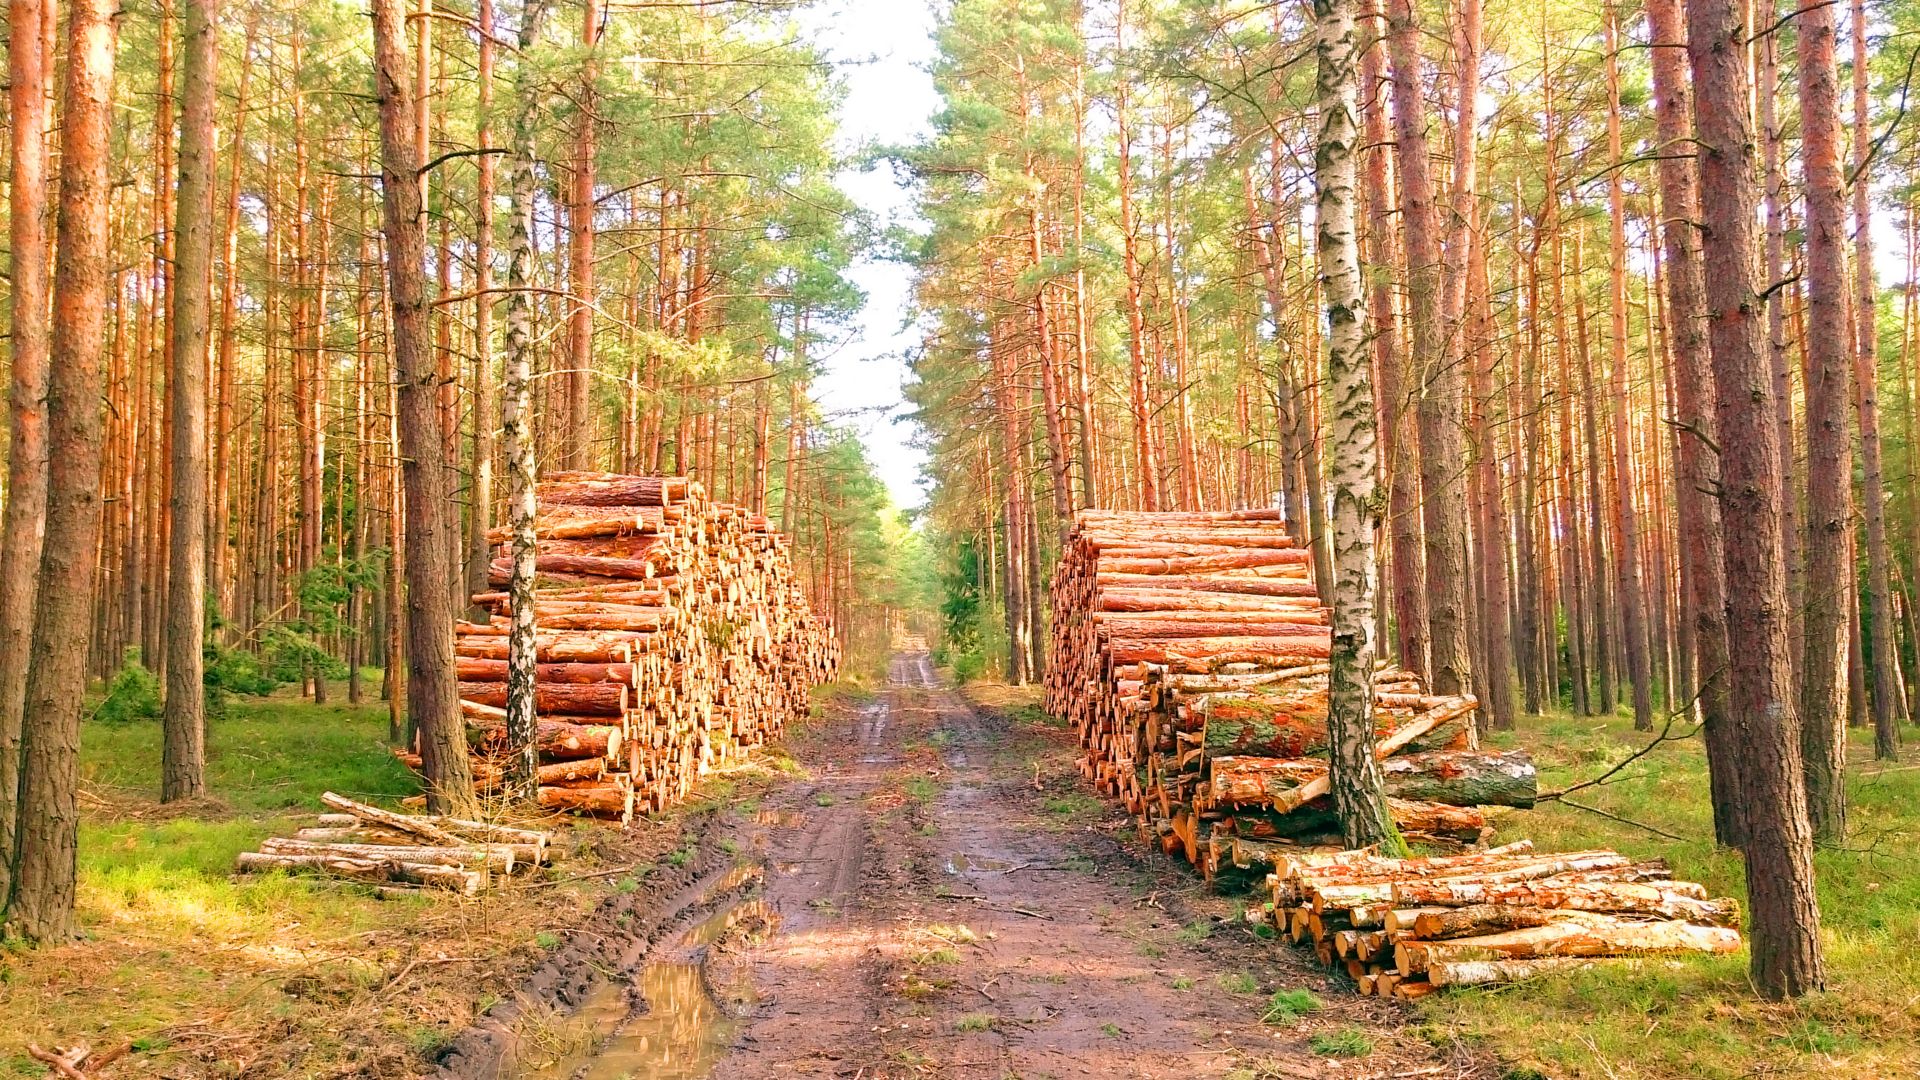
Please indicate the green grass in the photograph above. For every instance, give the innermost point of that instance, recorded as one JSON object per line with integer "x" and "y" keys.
{"x": 1239, "y": 982}
{"x": 976, "y": 1022}
{"x": 1347, "y": 1042}
{"x": 1698, "y": 1017}
{"x": 1286, "y": 1006}
{"x": 265, "y": 755}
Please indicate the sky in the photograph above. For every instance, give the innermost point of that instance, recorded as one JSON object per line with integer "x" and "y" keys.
{"x": 882, "y": 49}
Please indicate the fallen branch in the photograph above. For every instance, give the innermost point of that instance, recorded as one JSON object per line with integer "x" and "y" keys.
{"x": 1623, "y": 820}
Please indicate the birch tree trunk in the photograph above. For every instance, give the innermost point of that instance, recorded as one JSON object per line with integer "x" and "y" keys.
{"x": 517, "y": 417}
{"x": 1358, "y": 793}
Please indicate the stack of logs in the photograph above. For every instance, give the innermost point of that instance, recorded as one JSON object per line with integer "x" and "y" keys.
{"x": 1189, "y": 654}
{"x": 674, "y": 636}
{"x": 1408, "y": 927}
{"x": 401, "y": 852}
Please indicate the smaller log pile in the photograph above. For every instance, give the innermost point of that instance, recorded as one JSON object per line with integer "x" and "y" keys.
{"x": 674, "y": 636}
{"x": 401, "y": 852}
{"x": 1189, "y": 652}
{"x": 1407, "y": 927}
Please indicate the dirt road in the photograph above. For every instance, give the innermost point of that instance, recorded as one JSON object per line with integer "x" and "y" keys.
{"x": 937, "y": 907}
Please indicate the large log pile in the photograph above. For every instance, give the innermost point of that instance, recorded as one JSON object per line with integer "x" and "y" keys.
{"x": 401, "y": 852}
{"x": 1189, "y": 653}
{"x": 674, "y": 636}
{"x": 1408, "y": 927}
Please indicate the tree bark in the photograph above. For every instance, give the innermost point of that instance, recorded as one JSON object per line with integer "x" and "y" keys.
{"x": 1442, "y": 446}
{"x": 1699, "y": 471}
{"x": 432, "y": 704}
{"x": 25, "y": 516}
{"x": 1359, "y": 795}
{"x": 480, "y": 498}
{"x": 183, "y": 751}
{"x": 1399, "y": 451}
{"x": 1785, "y": 923}
{"x": 1632, "y": 590}
{"x": 1829, "y": 575}
{"x": 1147, "y": 461}
{"x": 580, "y": 208}
{"x": 49, "y": 822}
{"x": 523, "y": 760}
{"x": 1889, "y": 698}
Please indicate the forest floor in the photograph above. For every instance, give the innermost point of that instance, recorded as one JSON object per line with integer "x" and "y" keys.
{"x": 1699, "y": 1018}
{"x": 923, "y": 888}
{"x": 207, "y": 974}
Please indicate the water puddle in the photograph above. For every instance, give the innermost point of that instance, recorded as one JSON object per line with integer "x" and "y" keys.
{"x": 685, "y": 1023}
{"x": 961, "y": 863}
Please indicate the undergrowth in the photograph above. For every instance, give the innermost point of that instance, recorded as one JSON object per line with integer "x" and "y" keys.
{"x": 1698, "y": 1017}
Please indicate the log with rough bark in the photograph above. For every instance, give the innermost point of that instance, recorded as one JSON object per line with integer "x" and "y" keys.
{"x": 430, "y": 875}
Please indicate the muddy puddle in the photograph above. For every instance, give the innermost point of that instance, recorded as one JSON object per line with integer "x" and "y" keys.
{"x": 672, "y": 1021}
{"x": 962, "y": 863}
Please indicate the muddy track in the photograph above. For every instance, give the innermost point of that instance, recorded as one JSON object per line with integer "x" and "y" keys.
{"x": 916, "y": 907}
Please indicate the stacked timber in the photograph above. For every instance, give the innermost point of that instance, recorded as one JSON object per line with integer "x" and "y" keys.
{"x": 674, "y": 636}
{"x": 1189, "y": 653}
{"x": 401, "y": 852}
{"x": 1408, "y": 927}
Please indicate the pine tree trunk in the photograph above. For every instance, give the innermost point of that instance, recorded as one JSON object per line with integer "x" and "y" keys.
{"x": 25, "y": 517}
{"x": 1698, "y": 469}
{"x": 183, "y": 750}
{"x": 1784, "y": 917}
{"x": 1440, "y": 422}
{"x": 1829, "y": 576}
{"x": 480, "y": 495}
{"x": 1359, "y": 795}
{"x": 1400, "y": 452}
{"x": 1147, "y": 463}
{"x": 49, "y": 819}
{"x": 580, "y": 208}
{"x": 1632, "y": 587}
{"x": 432, "y": 705}
{"x": 1889, "y": 698}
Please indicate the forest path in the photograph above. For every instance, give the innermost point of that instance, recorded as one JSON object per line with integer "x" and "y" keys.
{"x": 931, "y": 915}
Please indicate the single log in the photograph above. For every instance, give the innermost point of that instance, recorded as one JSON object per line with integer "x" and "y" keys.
{"x": 606, "y": 800}
{"x": 1444, "y": 973}
{"x": 500, "y": 858}
{"x": 473, "y": 669}
{"x": 1418, "y": 892}
{"x": 433, "y": 876}
{"x": 423, "y": 828}
{"x": 599, "y": 699}
{"x": 1449, "y": 777}
{"x": 1667, "y": 900}
{"x": 556, "y": 739}
{"x": 560, "y": 772}
{"x": 609, "y": 489}
{"x": 1593, "y": 935}
{"x": 1435, "y": 924}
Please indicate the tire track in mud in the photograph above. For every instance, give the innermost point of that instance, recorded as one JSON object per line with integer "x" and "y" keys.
{"x": 983, "y": 938}
{"x": 921, "y": 912}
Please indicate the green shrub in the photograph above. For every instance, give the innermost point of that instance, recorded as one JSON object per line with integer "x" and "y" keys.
{"x": 133, "y": 694}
